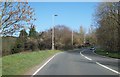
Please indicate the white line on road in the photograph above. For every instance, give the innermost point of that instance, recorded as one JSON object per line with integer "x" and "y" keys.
{"x": 88, "y": 58}
{"x": 108, "y": 68}
{"x": 45, "y": 64}
{"x": 100, "y": 64}
{"x": 85, "y": 56}
{"x": 81, "y": 54}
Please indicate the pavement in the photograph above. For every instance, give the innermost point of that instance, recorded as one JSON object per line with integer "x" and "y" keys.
{"x": 79, "y": 62}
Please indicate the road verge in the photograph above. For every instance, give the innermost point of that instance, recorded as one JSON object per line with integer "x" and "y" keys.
{"x": 18, "y": 64}
{"x": 108, "y": 54}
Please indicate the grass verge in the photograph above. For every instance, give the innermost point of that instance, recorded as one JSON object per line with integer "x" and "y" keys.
{"x": 108, "y": 54}
{"x": 18, "y": 64}
{"x": 0, "y": 66}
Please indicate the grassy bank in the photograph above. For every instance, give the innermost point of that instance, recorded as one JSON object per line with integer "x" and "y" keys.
{"x": 0, "y": 67}
{"x": 18, "y": 64}
{"x": 108, "y": 54}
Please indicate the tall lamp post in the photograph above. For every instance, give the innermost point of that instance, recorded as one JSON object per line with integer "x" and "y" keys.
{"x": 72, "y": 38}
{"x": 53, "y": 32}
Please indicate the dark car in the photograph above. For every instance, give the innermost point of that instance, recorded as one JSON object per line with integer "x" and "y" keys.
{"x": 92, "y": 48}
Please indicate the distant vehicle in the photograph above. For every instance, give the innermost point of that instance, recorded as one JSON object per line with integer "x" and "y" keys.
{"x": 92, "y": 48}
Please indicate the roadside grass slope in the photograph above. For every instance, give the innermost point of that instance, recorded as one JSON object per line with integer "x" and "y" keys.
{"x": 108, "y": 54}
{"x": 18, "y": 64}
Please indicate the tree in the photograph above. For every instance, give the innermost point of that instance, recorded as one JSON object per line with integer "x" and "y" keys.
{"x": 63, "y": 38}
{"x": 91, "y": 35}
{"x": 82, "y": 35}
{"x": 45, "y": 40}
{"x": 13, "y": 17}
{"x": 108, "y": 26}
{"x": 32, "y": 32}
{"x": 33, "y": 41}
{"x": 20, "y": 42}
{"x": 23, "y": 35}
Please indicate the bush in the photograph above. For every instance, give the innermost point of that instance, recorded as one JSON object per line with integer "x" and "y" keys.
{"x": 20, "y": 42}
{"x": 31, "y": 44}
{"x": 18, "y": 47}
{"x": 7, "y": 44}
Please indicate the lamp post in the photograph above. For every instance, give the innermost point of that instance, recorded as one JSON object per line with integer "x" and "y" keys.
{"x": 53, "y": 32}
{"x": 72, "y": 38}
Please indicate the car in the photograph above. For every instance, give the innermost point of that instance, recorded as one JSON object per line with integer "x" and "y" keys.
{"x": 92, "y": 48}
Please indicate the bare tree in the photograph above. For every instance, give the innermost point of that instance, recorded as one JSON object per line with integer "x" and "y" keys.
{"x": 108, "y": 25}
{"x": 63, "y": 37}
{"x": 82, "y": 35}
{"x": 14, "y": 16}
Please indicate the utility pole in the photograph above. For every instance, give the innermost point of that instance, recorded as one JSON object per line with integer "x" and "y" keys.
{"x": 119, "y": 25}
{"x": 53, "y": 32}
{"x": 72, "y": 38}
{"x": 84, "y": 39}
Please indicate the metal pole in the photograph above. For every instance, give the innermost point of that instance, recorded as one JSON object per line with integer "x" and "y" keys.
{"x": 53, "y": 32}
{"x": 72, "y": 37}
{"x": 84, "y": 39}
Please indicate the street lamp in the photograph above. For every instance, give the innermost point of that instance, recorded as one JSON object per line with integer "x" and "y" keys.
{"x": 72, "y": 38}
{"x": 53, "y": 40}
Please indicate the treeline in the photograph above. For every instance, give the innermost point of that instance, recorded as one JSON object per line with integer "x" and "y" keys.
{"x": 107, "y": 19}
{"x": 34, "y": 41}
{"x": 20, "y": 17}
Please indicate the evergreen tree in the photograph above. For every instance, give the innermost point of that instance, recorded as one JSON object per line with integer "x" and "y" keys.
{"x": 32, "y": 32}
{"x": 23, "y": 35}
{"x": 20, "y": 42}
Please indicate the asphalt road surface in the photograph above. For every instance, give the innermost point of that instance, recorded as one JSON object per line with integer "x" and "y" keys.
{"x": 80, "y": 62}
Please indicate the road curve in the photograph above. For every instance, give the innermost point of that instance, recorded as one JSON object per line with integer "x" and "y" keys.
{"x": 73, "y": 63}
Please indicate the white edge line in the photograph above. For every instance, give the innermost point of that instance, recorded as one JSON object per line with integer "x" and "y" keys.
{"x": 81, "y": 54}
{"x": 88, "y": 58}
{"x": 102, "y": 65}
{"x": 85, "y": 56}
{"x": 44, "y": 64}
{"x": 108, "y": 68}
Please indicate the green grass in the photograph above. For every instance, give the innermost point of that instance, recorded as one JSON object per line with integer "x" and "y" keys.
{"x": 108, "y": 54}
{"x": 18, "y": 64}
{"x": 0, "y": 67}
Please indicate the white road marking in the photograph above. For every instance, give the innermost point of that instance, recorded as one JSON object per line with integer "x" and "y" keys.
{"x": 44, "y": 64}
{"x": 108, "y": 68}
{"x": 100, "y": 63}
{"x": 88, "y": 58}
{"x": 85, "y": 56}
{"x": 81, "y": 54}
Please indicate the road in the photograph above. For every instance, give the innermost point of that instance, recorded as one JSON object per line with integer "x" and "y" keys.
{"x": 80, "y": 62}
